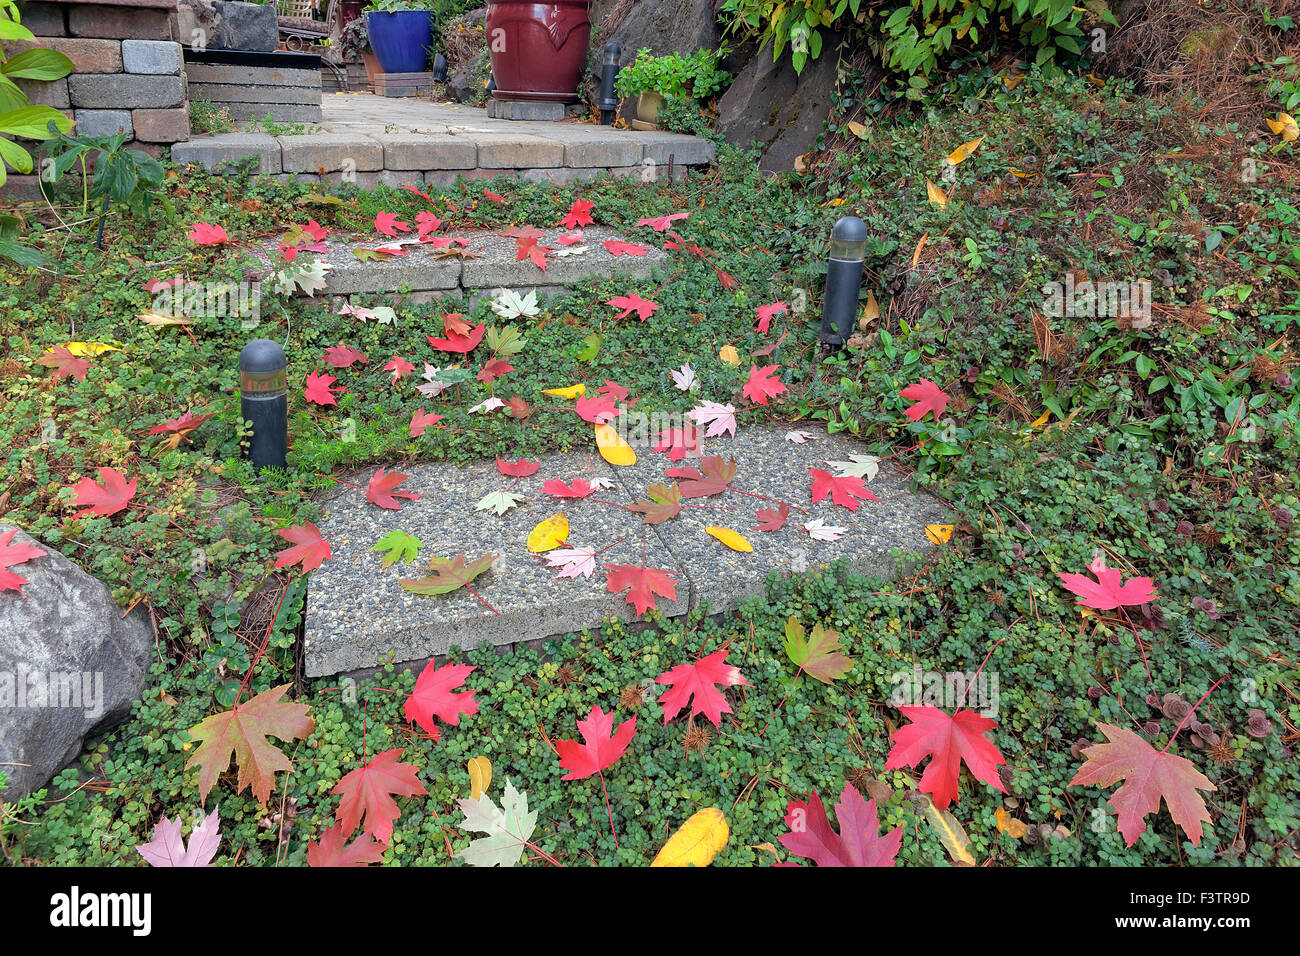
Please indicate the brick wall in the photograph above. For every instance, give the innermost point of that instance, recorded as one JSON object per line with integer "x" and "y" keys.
{"x": 128, "y": 73}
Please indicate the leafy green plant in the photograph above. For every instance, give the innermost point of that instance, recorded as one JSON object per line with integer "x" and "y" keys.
{"x": 674, "y": 76}
{"x": 18, "y": 117}
{"x": 127, "y": 176}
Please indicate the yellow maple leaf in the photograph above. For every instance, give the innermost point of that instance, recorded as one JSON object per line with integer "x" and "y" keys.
{"x": 939, "y": 533}
{"x": 612, "y": 447}
{"x": 480, "y": 776}
{"x": 573, "y": 391}
{"x": 729, "y": 355}
{"x": 937, "y": 195}
{"x": 732, "y": 539}
{"x": 963, "y": 152}
{"x": 1010, "y": 825}
{"x": 1284, "y": 126}
{"x": 697, "y": 841}
{"x": 549, "y": 533}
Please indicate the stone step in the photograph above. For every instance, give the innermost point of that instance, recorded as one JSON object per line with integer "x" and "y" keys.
{"x": 494, "y": 265}
{"x": 439, "y": 139}
{"x": 358, "y": 613}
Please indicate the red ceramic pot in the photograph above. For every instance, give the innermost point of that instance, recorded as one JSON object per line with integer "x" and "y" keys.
{"x": 537, "y": 49}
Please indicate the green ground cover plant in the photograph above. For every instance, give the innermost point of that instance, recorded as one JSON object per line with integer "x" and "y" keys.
{"x": 1164, "y": 443}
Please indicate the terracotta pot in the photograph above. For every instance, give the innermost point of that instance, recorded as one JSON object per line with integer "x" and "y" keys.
{"x": 372, "y": 65}
{"x": 647, "y": 107}
{"x": 537, "y": 49}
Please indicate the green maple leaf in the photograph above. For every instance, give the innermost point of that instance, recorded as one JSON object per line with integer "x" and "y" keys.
{"x": 505, "y": 341}
{"x": 819, "y": 656}
{"x": 663, "y": 503}
{"x": 508, "y": 827}
{"x": 241, "y": 733}
{"x": 448, "y": 574}
{"x": 400, "y": 546}
{"x": 593, "y": 347}
{"x": 499, "y": 501}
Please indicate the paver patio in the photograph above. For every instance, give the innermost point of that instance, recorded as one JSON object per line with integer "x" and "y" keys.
{"x": 371, "y": 139}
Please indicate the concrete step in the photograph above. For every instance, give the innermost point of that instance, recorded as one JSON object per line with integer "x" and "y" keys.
{"x": 358, "y": 613}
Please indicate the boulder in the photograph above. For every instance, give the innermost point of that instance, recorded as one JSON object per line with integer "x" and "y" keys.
{"x": 70, "y": 666}
{"x": 663, "y": 26}
{"x": 228, "y": 25}
{"x": 780, "y": 109}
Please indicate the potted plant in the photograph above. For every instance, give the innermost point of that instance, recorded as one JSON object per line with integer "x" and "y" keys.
{"x": 538, "y": 49}
{"x": 653, "y": 79}
{"x": 400, "y": 33}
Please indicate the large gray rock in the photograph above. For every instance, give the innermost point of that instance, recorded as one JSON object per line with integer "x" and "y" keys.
{"x": 663, "y": 26}
{"x": 228, "y": 25}
{"x": 70, "y": 666}
{"x": 780, "y": 109}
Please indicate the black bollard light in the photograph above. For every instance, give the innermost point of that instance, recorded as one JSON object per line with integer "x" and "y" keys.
{"x": 608, "y": 73}
{"x": 439, "y": 68}
{"x": 492, "y": 83}
{"x": 843, "y": 279}
{"x": 264, "y": 402}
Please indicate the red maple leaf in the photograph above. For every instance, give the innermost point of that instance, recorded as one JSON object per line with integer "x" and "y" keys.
{"x": 641, "y": 584}
{"x": 579, "y": 214}
{"x": 464, "y": 344}
{"x": 633, "y": 303}
{"x": 717, "y": 474}
{"x": 206, "y": 234}
{"x": 344, "y": 356}
{"x": 421, "y": 421}
{"x": 517, "y": 469}
{"x": 948, "y": 741}
{"x": 765, "y": 313}
{"x": 382, "y": 490}
{"x": 763, "y": 384}
{"x": 770, "y": 520}
{"x": 1106, "y": 593}
{"x": 598, "y": 409}
{"x": 453, "y": 323}
{"x": 446, "y": 242}
{"x": 320, "y": 389}
{"x": 390, "y": 225}
{"x": 494, "y": 197}
{"x": 679, "y": 442}
{"x": 308, "y": 547}
{"x": 695, "y": 683}
{"x": 64, "y": 363}
{"x": 11, "y": 555}
{"x": 614, "y": 390}
{"x": 569, "y": 238}
{"x": 400, "y": 368}
{"x": 181, "y": 425}
{"x": 426, "y": 222}
{"x": 368, "y": 792}
{"x": 412, "y": 189}
{"x": 577, "y": 489}
{"x": 858, "y": 843}
{"x": 617, "y": 247}
{"x": 107, "y": 498}
{"x": 928, "y": 397}
{"x": 1148, "y": 775}
{"x": 602, "y": 745}
{"x": 660, "y": 223}
{"x": 843, "y": 489}
{"x": 434, "y": 697}
{"x": 331, "y": 851}
{"x": 534, "y": 252}
{"x": 519, "y": 408}
{"x": 493, "y": 369}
